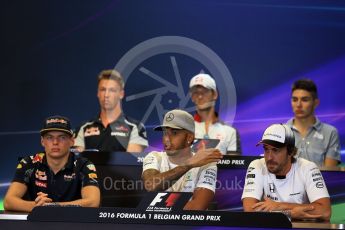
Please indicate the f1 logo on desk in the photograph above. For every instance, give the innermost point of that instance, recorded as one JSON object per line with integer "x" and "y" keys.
{"x": 170, "y": 201}
{"x": 163, "y": 203}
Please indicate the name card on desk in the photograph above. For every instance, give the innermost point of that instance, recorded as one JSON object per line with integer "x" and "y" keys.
{"x": 115, "y": 158}
{"x": 136, "y": 159}
{"x": 236, "y": 162}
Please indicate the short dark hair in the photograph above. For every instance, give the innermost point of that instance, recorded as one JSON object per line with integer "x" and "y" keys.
{"x": 292, "y": 151}
{"x": 111, "y": 74}
{"x": 305, "y": 84}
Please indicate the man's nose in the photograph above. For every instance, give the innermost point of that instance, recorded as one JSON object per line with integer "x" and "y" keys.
{"x": 299, "y": 102}
{"x": 55, "y": 140}
{"x": 268, "y": 154}
{"x": 166, "y": 138}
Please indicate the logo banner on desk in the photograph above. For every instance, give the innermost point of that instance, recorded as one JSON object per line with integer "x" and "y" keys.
{"x": 134, "y": 216}
{"x": 164, "y": 201}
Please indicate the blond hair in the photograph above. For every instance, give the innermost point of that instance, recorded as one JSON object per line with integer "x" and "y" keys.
{"x": 111, "y": 74}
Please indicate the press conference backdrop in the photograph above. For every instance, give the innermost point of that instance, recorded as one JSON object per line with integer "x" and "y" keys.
{"x": 53, "y": 51}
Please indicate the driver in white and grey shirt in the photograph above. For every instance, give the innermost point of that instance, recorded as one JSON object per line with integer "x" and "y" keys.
{"x": 280, "y": 182}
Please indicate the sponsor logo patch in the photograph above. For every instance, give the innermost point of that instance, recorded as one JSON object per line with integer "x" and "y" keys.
{"x": 40, "y": 184}
{"x": 91, "y": 167}
{"x": 249, "y": 182}
{"x": 250, "y": 169}
{"x": 119, "y": 134}
{"x": 69, "y": 177}
{"x": 317, "y": 179}
{"x": 271, "y": 187}
{"x": 40, "y": 175}
{"x": 250, "y": 175}
{"x": 122, "y": 128}
{"x": 92, "y": 131}
{"x": 319, "y": 184}
{"x": 56, "y": 120}
{"x": 316, "y": 174}
{"x": 272, "y": 197}
{"x": 294, "y": 194}
{"x": 92, "y": 175}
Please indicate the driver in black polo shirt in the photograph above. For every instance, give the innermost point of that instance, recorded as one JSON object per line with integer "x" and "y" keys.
{"x": 111, "y": 130}
{"x": 55, "y": 176}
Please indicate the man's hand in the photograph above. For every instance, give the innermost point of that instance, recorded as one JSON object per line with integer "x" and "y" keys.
{"x": 42, "y": 199}
{"x": 267, "y": 206}
{"x": 204, "y": 157}
{"x": 302, "y": 212}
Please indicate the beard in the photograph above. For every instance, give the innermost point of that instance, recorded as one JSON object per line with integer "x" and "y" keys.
{"x": 175, "y": 151}
{"x": 273, "y": 167}
{"x": 277, "y": 168}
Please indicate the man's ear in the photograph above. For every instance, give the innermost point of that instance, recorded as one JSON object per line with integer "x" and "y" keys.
{"x": 190, "y": 95}
{"x": 316, "y": 103}
{"x": 72, "y": 141}
{"x": 215, "y": 95}
{"x": 42, "y": 141}
{"x": 190, "y": 138}
{"x": 122, "y": 94}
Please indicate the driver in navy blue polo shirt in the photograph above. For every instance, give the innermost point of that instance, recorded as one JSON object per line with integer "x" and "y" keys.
{"x": 54, "y": 176}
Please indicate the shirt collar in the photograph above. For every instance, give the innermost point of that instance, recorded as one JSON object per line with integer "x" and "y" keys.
{"x": 70, "y": 162}
{"x": 98, "y": 120}
{"x": 68, "y": 165}
{"x": 197, "y": 118}
{"x": 316, "y": 125}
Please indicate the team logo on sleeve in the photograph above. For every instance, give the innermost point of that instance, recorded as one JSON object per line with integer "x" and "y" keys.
{"x": 38, "y": 158}
{"x": 250, "y": 182}
{"x": 122, "y": 128}
{"x": 149, "y": 160}
{"x": 91, "y": 167}
{"x": 92, "y": 131}
{"x": 210, "y": 177}
{"x": 319, "y": 184}
{"x": 219, "y": 136}
{"x": 250, "y": 175}
{"x": 250, "y": 169}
